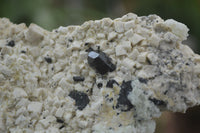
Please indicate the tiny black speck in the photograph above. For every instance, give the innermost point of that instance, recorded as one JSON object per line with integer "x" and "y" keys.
{"x": 113, "y": 107}
{"x": 111, "y": 40}
{"x": 62, "y": 127}
{"x": 11, "y": 43}
{"x": 70, "y": 40}
{"x": 157, "y": 102}
{"x": 48, "y": 59}
{"x": 78, "y": 78}
{"x": 99, "y": 85}
{"x": 111, "y": 99}
{"x": 23, "y": 51}
{"x": 106, "y": 95}
{"x": 165, "y": 92}
{"x": 187, "y": 64}
{"x": 142, "y": 80}
{"x": 59, "y": 120}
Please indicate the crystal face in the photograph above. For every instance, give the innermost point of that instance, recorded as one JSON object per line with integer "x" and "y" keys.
{"x": 100, "y": 62}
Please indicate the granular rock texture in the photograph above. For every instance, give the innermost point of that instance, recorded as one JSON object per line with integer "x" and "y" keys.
{"x": 105, "y": 76}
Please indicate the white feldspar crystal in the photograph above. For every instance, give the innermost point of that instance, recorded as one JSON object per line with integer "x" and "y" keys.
{"x": 35, "y": 107}
{"x": 34, "y": 34}
{"x": 18, "y": 92}
{"x": 105, "y": 76}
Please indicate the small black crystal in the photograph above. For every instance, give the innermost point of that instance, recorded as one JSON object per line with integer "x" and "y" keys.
{"x": 80, "y": 98}
{"x": 11, "y": 43}
{"x": 59, "y": 120}
{"x": 100, "y": 62}
{"x": 142, "y": 80}
{"x": 23, "y": 51}
{"x": 78, "y": 78}
{"x": 70, "y": 40}
{"x": 99, "y": 85}
{"x": 123, "y": 102}
{"x": 61, "y": 126}
{"x": 157, "y": 102}
{"x": 48, "y": 59}
{"x": 110, "y": 83}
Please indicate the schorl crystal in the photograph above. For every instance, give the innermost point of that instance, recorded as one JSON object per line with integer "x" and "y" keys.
{"x": 110, "y": 83}
{"x": 59, "y": 120}
{"x": 11, "y": 43}
{"x": 142, "y": 80}
{"x": 48, "y": 59}
{"x": 80, "y": 98}
{"x": 100, "y": 62}
{"x": 99, "y": 85}
{"x": 78, "y": 78}
{"x": 23, "y": 51}
{"x": 158, "y": 102}
{"x": 122, "y": 102}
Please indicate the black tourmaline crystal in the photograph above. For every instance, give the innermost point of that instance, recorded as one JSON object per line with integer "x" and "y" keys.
{"x": 48, "y": 59}
{"x": 99, "y": 85}
{"x": 110, "y": 83}
{"x": 100, "y": 62}
{"x": 142, "y": 80}
{"x": 78, "y": 78}
{"x": 123, "y": 102}
{"x": 158, "y": 102}
{"x": 11, "y": 43}
{"x": 80, "y": 98}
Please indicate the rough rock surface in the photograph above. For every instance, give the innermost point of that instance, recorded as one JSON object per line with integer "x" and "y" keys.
{"x": 105, "y": 76}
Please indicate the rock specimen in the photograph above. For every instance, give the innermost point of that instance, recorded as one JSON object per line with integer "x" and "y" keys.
{"x": 105, "y": 76}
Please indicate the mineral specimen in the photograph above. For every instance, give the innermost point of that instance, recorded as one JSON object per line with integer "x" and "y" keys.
{"x": 100, "y": 62}
{"x": 105, "y": 76}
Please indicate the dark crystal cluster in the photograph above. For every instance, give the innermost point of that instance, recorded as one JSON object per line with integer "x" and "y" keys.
{"x": 80, "y": 98}
{"x": 123, "y": 102}
{"x": 100, "y": 62}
